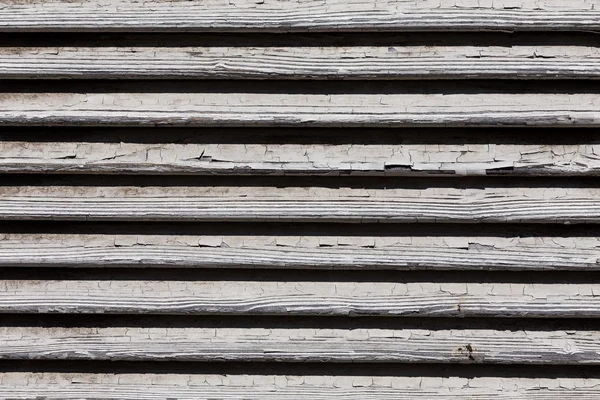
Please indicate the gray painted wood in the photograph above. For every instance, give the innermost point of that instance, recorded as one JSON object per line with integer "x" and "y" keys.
{"x": 542, "y": 345}
{"x": 274, "y": 16}
{"x": 300, "y": 159}
{"x": 539, "y": 205}
{"x": 301, "y": 252}
{"x": 78, "y": 386}
{"x": 396, "y": 62}
{"x": 302, "y": 345}
{"x": 415, "y": 299}
{"x": 336, "y": 110}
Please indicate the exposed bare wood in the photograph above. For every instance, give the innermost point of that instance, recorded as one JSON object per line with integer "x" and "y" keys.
{"x": 301, "y": 252}
{"x": 260, "y": 109}
{"x": 275, "y": 16}
{"x": 301, "y": 345}
{"x": 415, "y": 299}
{"x": 399, "y": 62}
{"x": 77, "y": 386}
{"x": 531, "y": 205}
{"x": 300, "y": 159}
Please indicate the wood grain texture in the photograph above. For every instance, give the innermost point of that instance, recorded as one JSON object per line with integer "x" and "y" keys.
{"x": 336, "y": 110}
{"x": 292, "y": 16}
{"x": 301, "y": 252}
{"x": 300, "y": 159}
{"x": 414, "y": 299}
{"x": 302, "y": 345}
{"x": 209, "y": 302}
{"x": 78, "y": 386}
{"x": 396, "y": 62}
{"x": 502, "y": 205}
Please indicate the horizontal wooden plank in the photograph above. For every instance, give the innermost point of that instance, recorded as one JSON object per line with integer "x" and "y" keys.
{"x": 501, "y": 205}
{"x": 415, "y": 299}
{"x": 302, "y": 252}
{"x": 274, "y": 16}
{"x": 301, "y": 345}
{"x": 300, "y": 159}
{"x": 400, "y": 62}
{"x": 260, "y": 109}
{"x": 77, "y": 386}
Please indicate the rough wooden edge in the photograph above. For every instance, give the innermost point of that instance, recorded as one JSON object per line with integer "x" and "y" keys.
{"x": 300, "y": 159}
{"x": 244, "y": 109}
{"x": 267, "y": 16}
{"x": 510, "y": 209}
{"x": 301, "y": 252}
{"x": 302, "y": 345}
{"x": 420, "y": 299}
{"x": 410, "y": 62}
{"x": 77, "y": 386}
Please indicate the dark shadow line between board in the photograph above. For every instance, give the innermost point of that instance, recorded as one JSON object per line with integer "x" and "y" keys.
{"x": 318, "y": 369}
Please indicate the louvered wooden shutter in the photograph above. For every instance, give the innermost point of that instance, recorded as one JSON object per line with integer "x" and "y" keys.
{"x": 327, "y": 199}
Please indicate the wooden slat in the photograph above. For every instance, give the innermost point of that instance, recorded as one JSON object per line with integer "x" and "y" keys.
{"x": 538, "y": 205}
{"x": 301, "y": 252}
{"x": 301, "y": 345}
{"x": 400, "y": 62}
{"x": 300, "y": 159}
{"x": 418, "y": 299}
{"x": 272, "y": 16}
{"x": 77, "y": 386}
{"x": 260, "y": 109}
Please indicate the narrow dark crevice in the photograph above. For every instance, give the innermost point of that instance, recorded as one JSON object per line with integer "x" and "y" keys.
{"x": 257, "y": 274}
{"x": 295, "y": 322}
{"x": 300, "y": 229}
{"x": 332, "y": 182}
{"x": 100, "y": 39}
{"x": 306, "y": 136}
{"x": 318, "y": 369}
{"x": 291, "y": 87}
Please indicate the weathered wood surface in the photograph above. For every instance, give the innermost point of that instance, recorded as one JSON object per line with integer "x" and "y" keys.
{"x": 415, "y": 299}
{"x": 265, "y": 298}
{"x": 78, "y": 386}
{"x": 502, "y": 205}
{"x": 300, "y": 159}
{"x": 336, "y": 110}
{"x": 398, "y": 62}
{"x": 301, "y": 252}
{"x": 302, "y": 345}
{"x": 275, "y": 16}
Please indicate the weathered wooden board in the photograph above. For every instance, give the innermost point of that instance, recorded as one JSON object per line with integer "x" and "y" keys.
{"x": 501, "y": 205}
{"x": 415, "y": 299}
{"x": 398, "y": 62}
{"x": 77, "y": 386}
{"x": 301, "y": 252}
{"x": 276, "y": 16}
{"x": 300, "y": 159}
{"x": 302, "y": 345}
{"x": 265, "y": 298}
{"x": 260, "y": 109}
